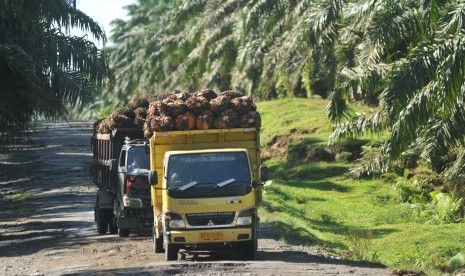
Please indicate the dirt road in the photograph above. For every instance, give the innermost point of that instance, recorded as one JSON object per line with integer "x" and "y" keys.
{"x": 50, "y": 228}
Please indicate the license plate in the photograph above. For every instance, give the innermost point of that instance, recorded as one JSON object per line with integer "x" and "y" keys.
{"x": 211, "y": 236}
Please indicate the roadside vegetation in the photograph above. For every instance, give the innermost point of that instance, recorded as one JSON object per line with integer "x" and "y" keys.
{"x": 404, "y": 220}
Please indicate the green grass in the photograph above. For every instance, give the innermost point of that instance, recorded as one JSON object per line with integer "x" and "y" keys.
{"x": 20, "y": 197}
{"x": 313, "y": 203}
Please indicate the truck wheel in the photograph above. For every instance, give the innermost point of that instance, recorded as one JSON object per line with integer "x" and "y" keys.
{"x": 249, "y": 250}
{"x": 101, "y": 219}
{"x": 171, "y": 252}
{"x": 112, "y": 223}
{"x": 158, "y": 244}
{"x": 124, "y": 233}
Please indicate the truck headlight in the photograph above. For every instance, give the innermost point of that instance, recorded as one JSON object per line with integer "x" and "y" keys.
{"x": 245, "y": 217}
{"x": 174, "y": 220}
{"x": 241, "y": 221}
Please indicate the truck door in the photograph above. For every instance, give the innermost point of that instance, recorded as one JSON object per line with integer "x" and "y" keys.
{"x": 121, "y": 175}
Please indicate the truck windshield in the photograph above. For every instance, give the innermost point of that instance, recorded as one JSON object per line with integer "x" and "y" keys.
{"x": 138, "y": 160}
{"x": 208, "y": 175}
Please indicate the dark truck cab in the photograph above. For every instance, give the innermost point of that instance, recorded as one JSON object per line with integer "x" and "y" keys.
{"x": 133, "y": 208}
{"x": 123, "y": 199}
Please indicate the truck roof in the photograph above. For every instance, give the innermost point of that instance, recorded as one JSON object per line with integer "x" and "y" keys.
{"x": 127, "y": 141}
{"x": 175, "y": 152}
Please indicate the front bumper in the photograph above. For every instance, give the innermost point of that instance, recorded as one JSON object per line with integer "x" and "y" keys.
{"x": 206, "y": 236}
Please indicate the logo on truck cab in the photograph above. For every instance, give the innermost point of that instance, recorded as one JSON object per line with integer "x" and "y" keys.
{"x": 187, "y": 201}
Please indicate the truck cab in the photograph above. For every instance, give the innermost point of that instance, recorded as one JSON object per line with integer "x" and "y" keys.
{"x": 132, "y": 206}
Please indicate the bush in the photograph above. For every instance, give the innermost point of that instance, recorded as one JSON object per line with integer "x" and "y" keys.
{"x": 443, "y": 209}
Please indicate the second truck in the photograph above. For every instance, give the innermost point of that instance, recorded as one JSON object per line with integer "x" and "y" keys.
{"x": 206, "y": 188}
{"x": 120, "y": 170}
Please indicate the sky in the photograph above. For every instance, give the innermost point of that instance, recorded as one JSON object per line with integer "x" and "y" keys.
{"x": 104, "y": 11}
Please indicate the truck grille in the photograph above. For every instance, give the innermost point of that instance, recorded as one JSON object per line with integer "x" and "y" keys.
{"x": 210, "y": 219}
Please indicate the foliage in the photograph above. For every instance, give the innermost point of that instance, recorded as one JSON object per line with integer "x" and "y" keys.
{"x": 360, "y": 243}
{"x": 43, "y": 68}
{"x": 266, "y": 48}
{"x": 408, "y": 56}
{"x": 314, "y": 203}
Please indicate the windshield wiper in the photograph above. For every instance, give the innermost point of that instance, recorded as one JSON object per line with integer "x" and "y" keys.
{"x": 187, "y": 186}
{"x": 224, "y": 183}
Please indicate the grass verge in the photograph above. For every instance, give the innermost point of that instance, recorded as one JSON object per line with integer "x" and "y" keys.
{"x": 310, "y": 201}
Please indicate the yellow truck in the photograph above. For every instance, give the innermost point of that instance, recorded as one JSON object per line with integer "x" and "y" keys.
{"x": 206, "y": 187}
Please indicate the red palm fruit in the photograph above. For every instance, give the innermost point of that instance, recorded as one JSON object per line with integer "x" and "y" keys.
{"x": 198, "y": 104}
{"x": 231, "y": 94}
{"x": 185, "y": 121}
{"x": 220, "y": 104}
{"x": 205, "y": 120}
{"x": 243, "y": 105}
{"x": 227, "y": 119}
{"x": 209, "y": 94}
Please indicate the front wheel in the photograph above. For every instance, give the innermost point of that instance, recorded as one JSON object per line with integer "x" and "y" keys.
{"x": 158, "y": 244}
{"x": 124, "y": 233}
{"x": 171, "y": 252}
{"x": 249, "y": 249}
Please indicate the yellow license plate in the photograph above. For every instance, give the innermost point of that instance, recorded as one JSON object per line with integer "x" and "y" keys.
{"x": 211, "y": 236}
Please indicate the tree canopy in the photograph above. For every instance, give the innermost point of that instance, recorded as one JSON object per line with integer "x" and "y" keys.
{"x": 42, "y": 67}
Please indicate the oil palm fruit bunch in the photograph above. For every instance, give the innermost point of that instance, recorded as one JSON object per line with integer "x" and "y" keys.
{"x": 140, "y": 116}
{"x": 126, "y": 111}
{"x": 205, "y": 120}
{"x": 119, "y": 120}
{"x": 96, "y": 125}
{"x": 220, "y": 104}
{"x": 162, "y": 123}
{"x": 138, "y": 101}
{"x": 251, "y": 119}
{"x": 242, "y": 105}
{"x": 104, "y": 127}
{"x": 178, "y": 107}
{"x": 154, "y": 109}
{"x": 197, "y": 104}
{"x": 183, "y": 96}
{"x": 185, "y": 121}
{"x": 208, "y": 94}
{"x": 166, "y": 107}
{"x": 227, "y": 119}
{"x": 148, "y": 131}
{"x": 231, "y": 94}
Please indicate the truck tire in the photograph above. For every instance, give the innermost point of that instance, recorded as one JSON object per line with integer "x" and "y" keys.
{"x": 171, "y": 252}
{"x": 101, "y": 219}
{"x": 112, "y": 223}
{"x": 249, "y": 250}
{"x": 158, "y": 244}
{"x": 124, "y": 233}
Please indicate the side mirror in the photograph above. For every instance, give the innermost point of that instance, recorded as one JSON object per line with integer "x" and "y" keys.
{"x": 254, "y": 184}
{"x": 263, "y": 173}
{"x": 146, "y": 147}
{"x": 153, "y": 178}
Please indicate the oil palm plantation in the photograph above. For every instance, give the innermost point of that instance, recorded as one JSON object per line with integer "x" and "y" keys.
{"x": 42, "y": 67}
{"x": 420, "y": 87}
{"x": 254, "y": 46}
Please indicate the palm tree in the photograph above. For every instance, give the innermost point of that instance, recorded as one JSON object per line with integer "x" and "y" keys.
{"x": 42, "y": 67}
{"x": 253, "y": 46}
{"x": 422, "y": 93}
